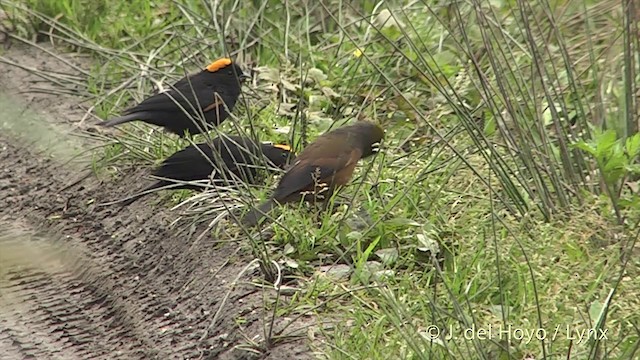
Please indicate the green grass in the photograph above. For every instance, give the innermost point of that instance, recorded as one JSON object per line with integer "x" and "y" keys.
{"x": 480, "y": 212}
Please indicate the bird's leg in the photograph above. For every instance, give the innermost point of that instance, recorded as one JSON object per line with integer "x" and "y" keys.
{"x": 319, "y": 207}
{"x": 342, "y": 200}
{"x": 325, "y": 205}
{"x": 320, "y": 194}
{"x": 318, "y": 218}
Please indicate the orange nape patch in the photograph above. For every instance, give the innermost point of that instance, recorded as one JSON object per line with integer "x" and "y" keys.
{"x": 282, "y": 146}
{"x": 218, "y": 64}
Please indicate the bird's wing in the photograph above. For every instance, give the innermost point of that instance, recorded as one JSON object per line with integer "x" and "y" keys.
{"x": 184, "y": 93}
{"x": 306, "y": 173}
{"x": 187, "y": 164}
{"x": 166, "y": 102}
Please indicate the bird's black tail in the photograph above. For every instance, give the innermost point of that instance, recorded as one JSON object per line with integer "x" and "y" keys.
{"x": 119, "y": 120}
{"x": 146, "y": 191}
{"x": 254, "y": 216}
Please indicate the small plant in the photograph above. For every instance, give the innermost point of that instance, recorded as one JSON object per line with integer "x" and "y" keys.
{"x": 616, "y": 161}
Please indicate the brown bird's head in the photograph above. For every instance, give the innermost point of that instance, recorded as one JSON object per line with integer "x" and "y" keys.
{"x": 368, "y": 134}
{"x": 227, "y": 69}
{"x": 279, "y": 154}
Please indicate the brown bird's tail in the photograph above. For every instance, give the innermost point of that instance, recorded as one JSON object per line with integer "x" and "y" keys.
{"x": 254, "y": 216}
{"x": 120, "y": 120}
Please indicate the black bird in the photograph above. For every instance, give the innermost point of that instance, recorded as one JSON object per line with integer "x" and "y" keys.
{"x": 181, "y": 108}
{"x": 228, "y": 160}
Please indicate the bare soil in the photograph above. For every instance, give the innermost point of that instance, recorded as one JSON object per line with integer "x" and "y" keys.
{"x": 127, "y": 286}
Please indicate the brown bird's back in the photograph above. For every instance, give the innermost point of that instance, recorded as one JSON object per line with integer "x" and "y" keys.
{"x": 311, "y": 174}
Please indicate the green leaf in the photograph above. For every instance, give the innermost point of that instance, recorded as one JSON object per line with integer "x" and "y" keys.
{"x": 490, "y": 126}
{"x": 605, "y": 143}
{"x": 388, "y": 256}
{"x": 547, "y": 115}
{"x": 632, "y": 146}
{"x": 402, "y": 222}
{"x": 582, "y": 145}
{"x": 595, "y": 311}
{"x": 289, "y": 249}
{"x": 316, "y": 75}
{"x": 427, "y": 243}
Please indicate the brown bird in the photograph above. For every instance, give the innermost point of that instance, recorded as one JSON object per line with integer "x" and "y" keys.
{"x": 227, "y": 159}
{"x": 182, "y": 107}
{"x": 323, "y": 166}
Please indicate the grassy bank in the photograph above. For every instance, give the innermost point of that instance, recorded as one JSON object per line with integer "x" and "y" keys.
{"x": 500, "y": 221}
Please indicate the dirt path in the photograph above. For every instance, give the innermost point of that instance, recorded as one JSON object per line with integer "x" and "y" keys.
{"x": 124, "y": 285}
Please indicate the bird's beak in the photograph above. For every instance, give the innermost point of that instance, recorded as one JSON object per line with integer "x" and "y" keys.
{"x": 375, "y": 147}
